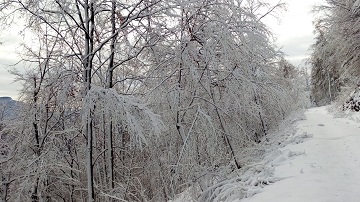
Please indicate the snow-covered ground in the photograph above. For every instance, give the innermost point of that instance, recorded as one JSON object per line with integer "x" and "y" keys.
{"x": 324, "y": 168}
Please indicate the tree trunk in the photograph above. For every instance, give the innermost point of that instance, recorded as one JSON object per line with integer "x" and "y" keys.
{"x": 4, "y": 187}
{"x": 224, "y": 131}
{"x": 109, "y": 84}
{"x": 89, "y": 45}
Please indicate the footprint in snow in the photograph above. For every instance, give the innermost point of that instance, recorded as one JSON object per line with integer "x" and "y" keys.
{"x": 320, "y": 124}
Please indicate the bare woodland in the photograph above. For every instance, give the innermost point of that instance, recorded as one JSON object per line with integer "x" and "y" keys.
{"x": 139, "y": 100}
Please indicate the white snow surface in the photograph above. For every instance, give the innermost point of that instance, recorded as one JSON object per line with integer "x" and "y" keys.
{"x": 325, "y": 167}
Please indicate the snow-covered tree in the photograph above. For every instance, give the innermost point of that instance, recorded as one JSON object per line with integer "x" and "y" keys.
{"x": 335, "y": 57}
{"x": 138, "y": 100}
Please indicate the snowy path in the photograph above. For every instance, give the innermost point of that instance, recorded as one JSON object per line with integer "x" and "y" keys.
{"x": 329, "y": 169}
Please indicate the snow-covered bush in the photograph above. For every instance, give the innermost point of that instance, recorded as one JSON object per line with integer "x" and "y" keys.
{"x": 353, "y": 102}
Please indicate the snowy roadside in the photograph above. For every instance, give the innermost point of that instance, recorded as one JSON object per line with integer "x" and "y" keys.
{"x": 326, "y": 167}
{"x": 355, "y": 116}
{"x": 312, "y": 159}
{"x": 258, "y": 174}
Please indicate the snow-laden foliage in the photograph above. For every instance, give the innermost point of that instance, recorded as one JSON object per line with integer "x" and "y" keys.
{"x": 141, "y": 100}
{"x": 335, "y": 57}
{"x": 353, "y": 101}
{"x": 240, "y": 187}
{"x": 127, "y": 112}
{"x": 225, "y": 68}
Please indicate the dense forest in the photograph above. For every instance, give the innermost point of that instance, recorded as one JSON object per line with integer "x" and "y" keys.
{"x": 140, "y": 100}
{"x": 335, "y": 57}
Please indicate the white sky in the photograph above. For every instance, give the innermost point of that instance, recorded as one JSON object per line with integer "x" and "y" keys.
{"x": 294, "y": 33}
{"x": 9, "y": 48}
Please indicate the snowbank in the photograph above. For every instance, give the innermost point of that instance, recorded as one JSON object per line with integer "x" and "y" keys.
{"x": 259, "y": 172}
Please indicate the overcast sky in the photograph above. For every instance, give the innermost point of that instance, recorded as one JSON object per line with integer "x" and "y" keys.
{"x": 294, "y": 33}
{"x": 10, "y": 39}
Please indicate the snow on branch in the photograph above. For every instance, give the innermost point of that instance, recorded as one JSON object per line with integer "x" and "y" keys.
{"x": 135, "y": 117}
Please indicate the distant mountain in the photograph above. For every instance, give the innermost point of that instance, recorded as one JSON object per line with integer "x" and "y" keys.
{"x": 7, "y": 100}
{"x": 8, "y": 108}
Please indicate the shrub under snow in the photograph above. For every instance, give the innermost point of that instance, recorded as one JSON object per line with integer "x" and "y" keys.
{"x": 353, "y": 103}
